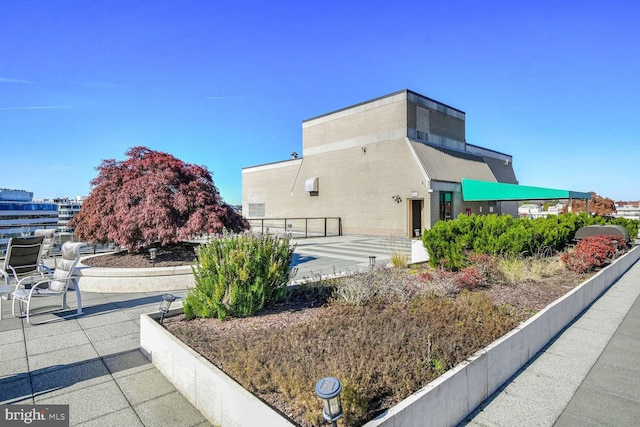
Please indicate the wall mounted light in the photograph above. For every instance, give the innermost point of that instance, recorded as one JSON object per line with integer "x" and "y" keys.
{"x": 167, "y": 299}
{"x": 328, "y": 389}
{"x": 396, "y": 198}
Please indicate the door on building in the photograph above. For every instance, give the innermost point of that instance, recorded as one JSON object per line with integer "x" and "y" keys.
{"x": 446, "y": 205}
{"x": 416, "y": 218}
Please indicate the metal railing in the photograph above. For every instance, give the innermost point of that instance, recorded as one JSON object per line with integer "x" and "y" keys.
{"x": 298, "y": 227}
{"x": 291, "y": 227}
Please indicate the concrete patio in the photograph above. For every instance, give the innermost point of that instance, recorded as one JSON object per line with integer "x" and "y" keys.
{"x": 94, "y": 364}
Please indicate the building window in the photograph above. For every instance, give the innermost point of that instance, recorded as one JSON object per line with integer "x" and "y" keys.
{"x": 256, "y": 210}
{"x": 446, "y": 205}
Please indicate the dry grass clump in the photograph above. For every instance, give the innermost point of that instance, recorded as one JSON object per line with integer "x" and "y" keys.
{"x": 382, "y": 351}
{"x": 518, "y": 270}
{"x": 380, "y": 284}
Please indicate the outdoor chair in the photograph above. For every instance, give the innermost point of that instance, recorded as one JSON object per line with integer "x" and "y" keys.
{"x": 55, "y": 284}
{"x": 21, "y": 264}
{"x": 47, "y": 243}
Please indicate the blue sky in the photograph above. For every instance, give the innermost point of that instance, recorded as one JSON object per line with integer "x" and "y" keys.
{"x": 227, "y": 84}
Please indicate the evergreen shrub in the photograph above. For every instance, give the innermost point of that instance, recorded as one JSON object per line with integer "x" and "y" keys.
{"x": 236, "y": 275}
{"x": 449, "y": 242}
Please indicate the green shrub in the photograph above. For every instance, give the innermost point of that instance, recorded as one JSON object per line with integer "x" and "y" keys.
{"x": 632, "y": 225}
{"x": 236, "y": 275}
{"x": 449, "y": 242}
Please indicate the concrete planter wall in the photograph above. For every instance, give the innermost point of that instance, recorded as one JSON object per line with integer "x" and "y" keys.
{"x": 444, "y": 402}
{"x": 217, "y": 396}
{"x": 125, "y": 280}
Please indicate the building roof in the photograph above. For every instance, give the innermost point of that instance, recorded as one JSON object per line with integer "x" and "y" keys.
{"x": 442, "y": 164}
{"x": 475, "y": 190}
{"x": 408, "y": 93}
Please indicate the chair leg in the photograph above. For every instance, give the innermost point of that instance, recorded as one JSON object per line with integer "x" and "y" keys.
{"x": 13, "y": 307}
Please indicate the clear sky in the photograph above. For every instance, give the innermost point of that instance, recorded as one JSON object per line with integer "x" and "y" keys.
{"x": 227, "y": 84}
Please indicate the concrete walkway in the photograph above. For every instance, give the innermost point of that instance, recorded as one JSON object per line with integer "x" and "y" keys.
{"x": 589, "y": 375}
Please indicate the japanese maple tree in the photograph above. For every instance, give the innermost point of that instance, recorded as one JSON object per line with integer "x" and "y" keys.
{"x": 600, "y": 205}
{"x": 152, "y": 197}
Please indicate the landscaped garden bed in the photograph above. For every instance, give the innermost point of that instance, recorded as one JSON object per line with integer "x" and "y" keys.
{"x": 382, "y": 349}
{"x": 389, "y": 332}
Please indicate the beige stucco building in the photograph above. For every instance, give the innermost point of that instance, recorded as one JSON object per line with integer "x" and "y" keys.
{"x": 388, "y": 167}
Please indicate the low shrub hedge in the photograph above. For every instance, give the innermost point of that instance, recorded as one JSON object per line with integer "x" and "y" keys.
{"x": 449, "y": 242}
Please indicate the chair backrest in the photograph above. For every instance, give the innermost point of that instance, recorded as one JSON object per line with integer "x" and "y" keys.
{"x": 65, "y": 265}
{"x": 47, "y": 243}
{"x": 23, "y": 255}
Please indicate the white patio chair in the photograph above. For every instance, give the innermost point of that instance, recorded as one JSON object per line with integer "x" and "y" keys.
{"x": 54, "y": 285}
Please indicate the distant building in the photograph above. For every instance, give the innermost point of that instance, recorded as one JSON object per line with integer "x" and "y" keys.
{"x": 629, "y": 210}
{"x": 20, "y": 215}
{"x": 67, "y": 209}
{"x": 533, "y": 210}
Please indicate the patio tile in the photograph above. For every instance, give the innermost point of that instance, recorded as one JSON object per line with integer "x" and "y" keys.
{"x": 112, "y": 330}
{"x": 89, "y": 402}
{"x": 16, "y": 390}
{"x": 10, "y": 323}
{"x": 98, "y": 309}
{"x": 50, "y": 329}
{"x": 100, "y": 319}
{"x": 16, "y": 367}
{"x": 70, "y": 378}
{"x": 123, "y": 418}
{"x": 110, "y": 346}
{"x": 133, "y": 296}
{"x": 127, "y": 363}
{"x": 47, "y": 344}
{"x": 142, "y": 386}
{"x": 93, "y": 298}
{"x": 11, "y": 336}
{"x": 62, "y": 358}
{"x": 169, "y": 410}
{"x": 135, "y": 313}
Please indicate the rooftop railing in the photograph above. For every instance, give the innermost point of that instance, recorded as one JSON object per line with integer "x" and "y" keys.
{"x": 298, "y": 227}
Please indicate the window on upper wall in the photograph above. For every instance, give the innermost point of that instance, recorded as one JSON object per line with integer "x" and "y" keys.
{"x": 256, "y": 210}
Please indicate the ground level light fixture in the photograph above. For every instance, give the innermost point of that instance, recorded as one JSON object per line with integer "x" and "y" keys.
{"x": 167, "y": 299}
{"x": 328, "y": 389}
{"x": 152, "y": 255}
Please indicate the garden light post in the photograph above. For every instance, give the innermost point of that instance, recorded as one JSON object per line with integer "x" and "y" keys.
{"x": 167, "y": 299}
{"x": 328, "y": 389}
{"x": 152, "y": 256}
{"x": 372, "y": 261}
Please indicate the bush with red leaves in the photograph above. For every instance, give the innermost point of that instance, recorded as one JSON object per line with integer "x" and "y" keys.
{"x": 592, "y": 252}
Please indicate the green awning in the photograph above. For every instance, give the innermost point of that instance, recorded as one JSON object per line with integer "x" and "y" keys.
{"x": 475, "y": 191}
